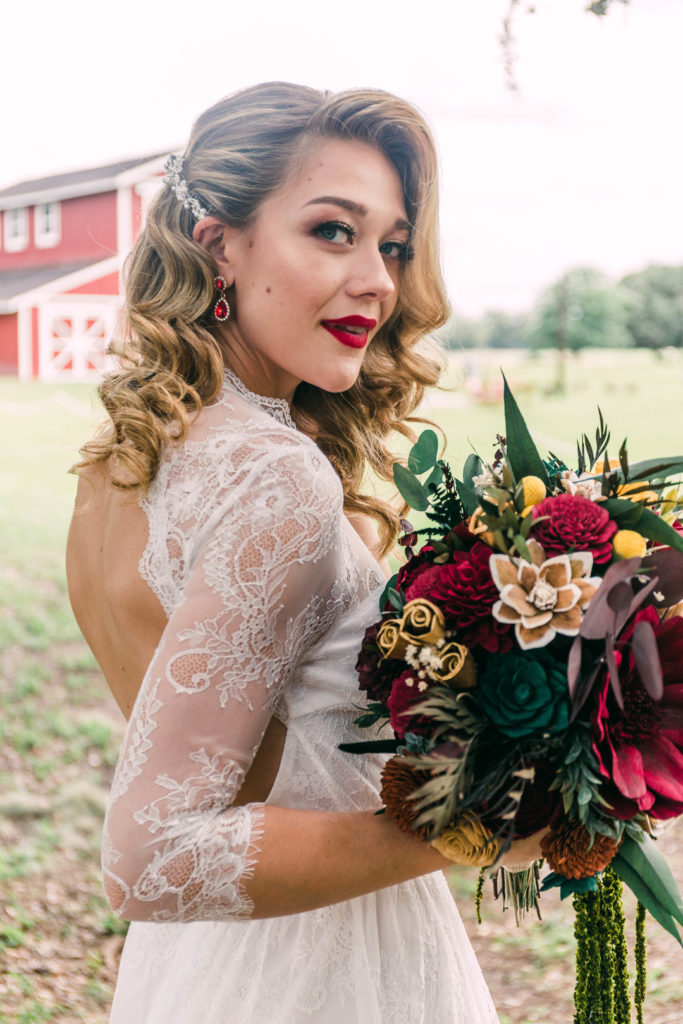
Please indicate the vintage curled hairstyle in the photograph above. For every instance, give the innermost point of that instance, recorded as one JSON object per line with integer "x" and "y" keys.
{"x": 241, "y": 150}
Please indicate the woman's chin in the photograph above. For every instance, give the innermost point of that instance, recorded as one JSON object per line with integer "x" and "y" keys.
{"x": 336, "y": 379}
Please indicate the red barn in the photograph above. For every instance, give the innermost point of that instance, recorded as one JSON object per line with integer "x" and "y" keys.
{"x": 63, "y": 240}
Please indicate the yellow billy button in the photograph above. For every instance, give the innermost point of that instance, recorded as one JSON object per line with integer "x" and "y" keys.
{"x": 628, "y": 544}
{"x": 532, "y": 490}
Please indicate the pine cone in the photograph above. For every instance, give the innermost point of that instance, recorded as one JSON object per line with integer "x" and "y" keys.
{"x": 566, "y": 848}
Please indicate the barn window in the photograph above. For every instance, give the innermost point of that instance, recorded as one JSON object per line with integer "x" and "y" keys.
{"x": 16, "y": 229}
{"x": 48, "y": 225}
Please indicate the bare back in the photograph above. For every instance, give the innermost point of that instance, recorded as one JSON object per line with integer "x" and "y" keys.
{"x": 119, "y": 615}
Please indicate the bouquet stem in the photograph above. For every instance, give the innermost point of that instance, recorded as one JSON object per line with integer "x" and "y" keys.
{"x": 518, "y": 889}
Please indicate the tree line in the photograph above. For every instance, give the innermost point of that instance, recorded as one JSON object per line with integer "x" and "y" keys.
{"x": 585, "y": 309}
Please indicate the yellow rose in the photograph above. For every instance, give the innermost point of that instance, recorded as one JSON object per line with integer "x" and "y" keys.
{"x": 458, "y": 667}
{"x": 628, "y": 544}
{"x": 389, "y": 639}
{"x": 468, "y": 842}
{"x": 422, "y": 622}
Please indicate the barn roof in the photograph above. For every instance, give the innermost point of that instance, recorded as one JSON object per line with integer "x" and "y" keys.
{"x": 21, "y": 284}
{"x": 84, "y": 181}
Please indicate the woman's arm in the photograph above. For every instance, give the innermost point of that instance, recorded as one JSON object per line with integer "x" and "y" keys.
{"x": 177, "y": 845}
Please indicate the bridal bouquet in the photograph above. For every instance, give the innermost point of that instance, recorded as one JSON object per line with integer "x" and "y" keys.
{"x": 529, "y": 662}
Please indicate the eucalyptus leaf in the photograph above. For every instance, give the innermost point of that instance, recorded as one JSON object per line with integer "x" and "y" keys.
{"x": 391, "y": 584}
{"x": 424, "y": 453}
{"x": 410, "y": 488}
{"x": 396, "y": 599}
{"x": 473, "y": 467}
{"x": 468, "y": 498}
{"x": 522, "y": 453}
{"x": 435, "y": 477}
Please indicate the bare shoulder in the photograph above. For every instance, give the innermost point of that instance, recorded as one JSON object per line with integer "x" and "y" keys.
{"x": 366, "y": 528}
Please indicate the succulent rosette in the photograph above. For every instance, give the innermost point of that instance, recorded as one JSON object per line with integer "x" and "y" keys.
{"x": 524, "y": 692}
{"x": 527, "y": 672}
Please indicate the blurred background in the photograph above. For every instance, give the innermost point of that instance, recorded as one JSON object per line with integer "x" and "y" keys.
{"x": 559, "y": 133}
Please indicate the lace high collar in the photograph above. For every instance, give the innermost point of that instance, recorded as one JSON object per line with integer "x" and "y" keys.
{"x": 278, "y": 408}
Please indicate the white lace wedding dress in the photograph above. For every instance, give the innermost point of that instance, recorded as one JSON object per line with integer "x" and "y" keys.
{"x": 268, "y": 591}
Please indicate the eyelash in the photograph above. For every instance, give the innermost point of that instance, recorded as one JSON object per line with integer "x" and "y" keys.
{"x": 405, "y": 252}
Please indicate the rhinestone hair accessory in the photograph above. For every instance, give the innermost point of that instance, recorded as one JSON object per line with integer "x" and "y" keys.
{"x": 173, "y": 178}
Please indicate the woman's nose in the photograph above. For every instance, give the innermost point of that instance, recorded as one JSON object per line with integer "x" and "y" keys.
{"x": 371, "y": 276}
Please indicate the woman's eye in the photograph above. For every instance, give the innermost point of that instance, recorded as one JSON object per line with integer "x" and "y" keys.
{"x": 396, "y": 251}
{"x": 335, "y": 231}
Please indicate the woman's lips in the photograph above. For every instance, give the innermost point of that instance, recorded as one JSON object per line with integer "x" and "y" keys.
{"x": 350, "y": 330}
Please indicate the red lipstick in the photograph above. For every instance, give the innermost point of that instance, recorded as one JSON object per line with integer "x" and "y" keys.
{"x": 357, "y": 337}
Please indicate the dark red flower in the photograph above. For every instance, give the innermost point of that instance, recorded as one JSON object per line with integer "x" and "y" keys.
{"x": 640, "y": 749}
{"x": 539, "y": 805}
{"x": 407, "y": 689}
{"x": 375, "y": 676}
{"x": 573, "y": 523}
{"x": 414, "y": 567}
{"x": 465, "y": 592}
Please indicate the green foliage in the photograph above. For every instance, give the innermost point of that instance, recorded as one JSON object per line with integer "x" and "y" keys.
{"x": 521, "y": 451}
{"x": 582, "y": 310}
{"x": 653, "y": 306}
{"x": 647, "y": 874}
{"x": 424, "y": 453}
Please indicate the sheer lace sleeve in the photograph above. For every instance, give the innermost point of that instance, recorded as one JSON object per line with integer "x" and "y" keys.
{"x": 259, "y": 590}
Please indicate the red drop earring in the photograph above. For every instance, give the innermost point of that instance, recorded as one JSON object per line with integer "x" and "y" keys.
{"x": 221, "y": 308}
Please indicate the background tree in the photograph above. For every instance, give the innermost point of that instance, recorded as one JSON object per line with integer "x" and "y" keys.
{"x": 653, "y": 302}
{"x": 495, "y": 329}
{"x": 581, "y": 310}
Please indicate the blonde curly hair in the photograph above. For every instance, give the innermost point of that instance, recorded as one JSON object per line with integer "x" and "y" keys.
{"x": 171, "y": 365}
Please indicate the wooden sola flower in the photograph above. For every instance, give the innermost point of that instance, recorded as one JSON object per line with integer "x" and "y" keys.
{"x": 545, "y": 596}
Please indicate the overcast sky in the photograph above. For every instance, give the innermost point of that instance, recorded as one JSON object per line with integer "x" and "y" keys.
{"x": 583, "y": 165}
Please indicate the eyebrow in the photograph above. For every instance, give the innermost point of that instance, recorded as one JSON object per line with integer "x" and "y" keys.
{"x": 362, "y": 211}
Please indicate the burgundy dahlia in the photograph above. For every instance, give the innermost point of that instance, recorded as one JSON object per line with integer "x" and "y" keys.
{"x": 465, "y": 592}
{"x": 640, "y": 749}
{"x": 573, "y": 523}
{"x": 414, "y": 567}
{"x": 406, "y": 690}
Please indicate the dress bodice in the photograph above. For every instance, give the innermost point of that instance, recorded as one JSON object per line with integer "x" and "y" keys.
{"x": 268, "y": 590}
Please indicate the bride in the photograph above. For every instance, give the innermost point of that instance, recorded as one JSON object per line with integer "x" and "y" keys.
{"x": 222, "y": 566}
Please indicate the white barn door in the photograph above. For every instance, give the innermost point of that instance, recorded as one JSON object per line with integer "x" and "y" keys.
{"x": 73, "y": 336}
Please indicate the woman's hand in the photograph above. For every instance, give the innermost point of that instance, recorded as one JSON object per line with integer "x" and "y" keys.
{"x": 522, "y": 853}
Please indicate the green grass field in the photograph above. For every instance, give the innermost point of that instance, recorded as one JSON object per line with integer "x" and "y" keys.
{"x": 59, "y": 729}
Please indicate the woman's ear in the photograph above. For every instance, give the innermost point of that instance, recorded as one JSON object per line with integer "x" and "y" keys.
{"x": 213, "y": 235}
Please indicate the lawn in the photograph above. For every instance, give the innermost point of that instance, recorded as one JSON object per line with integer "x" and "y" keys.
{"x": 60, "y": 730}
